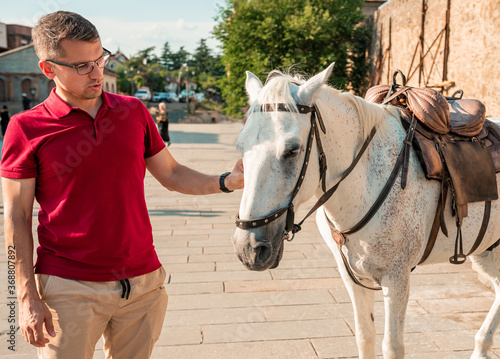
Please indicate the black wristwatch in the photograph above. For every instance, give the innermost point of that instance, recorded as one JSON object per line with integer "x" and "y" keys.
{"x": 222, "y": 186}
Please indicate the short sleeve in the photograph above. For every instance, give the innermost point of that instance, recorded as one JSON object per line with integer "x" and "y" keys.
{"x": 18, "y": 157}
{"x": 153, "y": 142}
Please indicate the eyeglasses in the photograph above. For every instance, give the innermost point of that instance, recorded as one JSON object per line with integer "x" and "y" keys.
{"x": 87, "y": 67}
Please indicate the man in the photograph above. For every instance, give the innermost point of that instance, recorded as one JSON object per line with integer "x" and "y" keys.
{"x": 82, "y": 154}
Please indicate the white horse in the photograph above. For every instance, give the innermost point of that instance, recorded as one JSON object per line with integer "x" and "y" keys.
{"x": 383, "y": 253}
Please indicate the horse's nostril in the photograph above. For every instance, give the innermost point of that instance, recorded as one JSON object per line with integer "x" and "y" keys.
{"x": 263, "y": 253}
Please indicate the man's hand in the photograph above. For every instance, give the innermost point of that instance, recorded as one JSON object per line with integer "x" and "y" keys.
{"x": 33, "y": 314}
{"x": 235, "y": 180}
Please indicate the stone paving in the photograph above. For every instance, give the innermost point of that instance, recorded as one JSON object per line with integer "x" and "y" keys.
{"x": 218, "y": 309}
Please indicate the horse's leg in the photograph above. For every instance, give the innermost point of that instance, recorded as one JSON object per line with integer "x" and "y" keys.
{"x": 362, "y": 302}
{"x": 396, "y": 290}
{"x": 362, "y": 299}
{"x": 487, "y": 265}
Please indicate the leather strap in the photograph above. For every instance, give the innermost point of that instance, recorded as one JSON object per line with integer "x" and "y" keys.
{"x": 438, "y": 222}
{"x": 290, "y": 226}
{"x": 222, "y": 185}
{"x": 438, "y": 218}
{"x": 390, "y": 97}
{"x": 484, "y": 227}
{"x": 259, "y": 222}
{"x": 390, "y": 181}
{"x": 321, "y": 153}
{"x": 328, "y": 194}
{"x": 340, "y": 239}
{"x": 408, "y": 142}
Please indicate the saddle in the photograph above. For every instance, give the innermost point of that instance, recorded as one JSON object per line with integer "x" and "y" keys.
{"x": 456, "y": 145}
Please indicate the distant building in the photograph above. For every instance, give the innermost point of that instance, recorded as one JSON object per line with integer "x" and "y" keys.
{"x": 14, "y": 36}
{"x": 172, "y": 84}
{"x": 18, "y": 35}
{"x": 3, "y": 37}
{"x": 371, "y": 6}
{"x": 110, "y": 77}
{"x": 19, "y": 73}
{"x": 117, "y": 60}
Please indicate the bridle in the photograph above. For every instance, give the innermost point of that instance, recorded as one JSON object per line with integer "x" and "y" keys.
{"x": 289, "y": 210}
{"x": 291, "y": 226}
{"x": 339, "y": 237}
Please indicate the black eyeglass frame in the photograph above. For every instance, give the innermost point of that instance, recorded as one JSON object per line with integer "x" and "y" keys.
{"x": 93, "y": 63}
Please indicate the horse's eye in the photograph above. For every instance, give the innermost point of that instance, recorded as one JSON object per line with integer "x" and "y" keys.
{"x": 291, "y": 153}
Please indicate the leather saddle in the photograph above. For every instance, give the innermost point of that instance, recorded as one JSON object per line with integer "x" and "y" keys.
{"x": 455, "y": 144}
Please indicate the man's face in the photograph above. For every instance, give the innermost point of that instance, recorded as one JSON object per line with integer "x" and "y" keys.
{"x": 70, "y": 85}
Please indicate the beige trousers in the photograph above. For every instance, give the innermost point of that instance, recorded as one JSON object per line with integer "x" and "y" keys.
{"x": 83, "y": 311}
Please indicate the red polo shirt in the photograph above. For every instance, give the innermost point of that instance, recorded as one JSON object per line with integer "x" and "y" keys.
{"x": 93, "y": 220}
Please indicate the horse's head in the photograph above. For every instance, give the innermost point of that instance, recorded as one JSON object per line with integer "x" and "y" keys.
{"x": 273, "y": 145}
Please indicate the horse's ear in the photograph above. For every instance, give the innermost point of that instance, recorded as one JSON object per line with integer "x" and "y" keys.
{"x": 253, "y": 86}
{"x": 308, "y": 90}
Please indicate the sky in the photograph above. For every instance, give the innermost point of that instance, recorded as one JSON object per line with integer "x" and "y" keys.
{"x": 130, "y": 25}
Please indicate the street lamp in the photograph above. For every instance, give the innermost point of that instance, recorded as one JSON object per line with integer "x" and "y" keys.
{"x": 179, "y": 79}
{"x": 187, "y": 88}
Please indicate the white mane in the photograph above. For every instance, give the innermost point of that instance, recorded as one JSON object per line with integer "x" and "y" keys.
{"x": 277, "y": 90}
{"x": 370, "y": 114}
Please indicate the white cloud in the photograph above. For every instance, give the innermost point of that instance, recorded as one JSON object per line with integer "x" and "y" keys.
{"x": 183, "y": 25}
{"x": 131, "y": 37}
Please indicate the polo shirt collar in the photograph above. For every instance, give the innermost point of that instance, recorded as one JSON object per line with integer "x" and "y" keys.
{"x": 60, "y": 108}
{"x": 108, "y": 101}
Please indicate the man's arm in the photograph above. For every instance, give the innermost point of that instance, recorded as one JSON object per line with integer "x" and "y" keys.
{"x": 177, "y": 177}
{"x": 18, "y": 198}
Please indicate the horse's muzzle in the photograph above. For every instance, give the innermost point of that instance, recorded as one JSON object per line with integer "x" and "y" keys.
{"x": 255, "y": 254}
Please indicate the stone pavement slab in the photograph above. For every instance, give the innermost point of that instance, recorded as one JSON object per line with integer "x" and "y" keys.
{"x": 218, "y": 309}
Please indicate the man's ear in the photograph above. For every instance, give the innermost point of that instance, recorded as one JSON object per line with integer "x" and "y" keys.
{"x": 47, "y": 69}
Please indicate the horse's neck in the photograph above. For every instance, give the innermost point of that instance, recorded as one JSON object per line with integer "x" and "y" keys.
{"x": 344, "y": 139}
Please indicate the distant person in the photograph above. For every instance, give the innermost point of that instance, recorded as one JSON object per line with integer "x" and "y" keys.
{"x": 26, "y": 102}
{"x": 162, "y": 119}
{"x": 5, "y": 119}
{"x": 83, "y": 154}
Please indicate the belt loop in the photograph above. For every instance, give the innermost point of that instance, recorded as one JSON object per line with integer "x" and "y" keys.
{"x": 125, "y": 288}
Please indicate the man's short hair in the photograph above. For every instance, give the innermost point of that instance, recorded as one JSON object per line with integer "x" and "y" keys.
{"x": 52, "y": 28}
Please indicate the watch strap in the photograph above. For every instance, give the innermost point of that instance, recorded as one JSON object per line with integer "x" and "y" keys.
{"x": 222, "y": 186}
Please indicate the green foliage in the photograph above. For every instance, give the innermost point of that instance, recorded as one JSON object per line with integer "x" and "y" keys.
{"x": 123, "y": 83}
{"x": 260, "y": 36}
{"x": 165, "y": 58}
{"x": 143, "y": 69}
{"x": 203, "y": 56}
{"x": 147, "y": 69}
{"x": 179, "y": 58}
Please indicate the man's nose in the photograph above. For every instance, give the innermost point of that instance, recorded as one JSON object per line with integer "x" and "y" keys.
{"x": 96, "y": 72}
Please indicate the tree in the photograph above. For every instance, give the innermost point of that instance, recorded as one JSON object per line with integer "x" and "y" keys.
{"x": 165, "y": 58}
{"x": 143, "y": 69}
{"x": 259, "y": 36}
{"x": 179, "y": 58}
{"x": 202, "y": 57}
{"x": 208, "y": 68}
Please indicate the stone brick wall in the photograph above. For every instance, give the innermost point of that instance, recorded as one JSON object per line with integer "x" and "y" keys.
{"x": 474, "y": 46}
